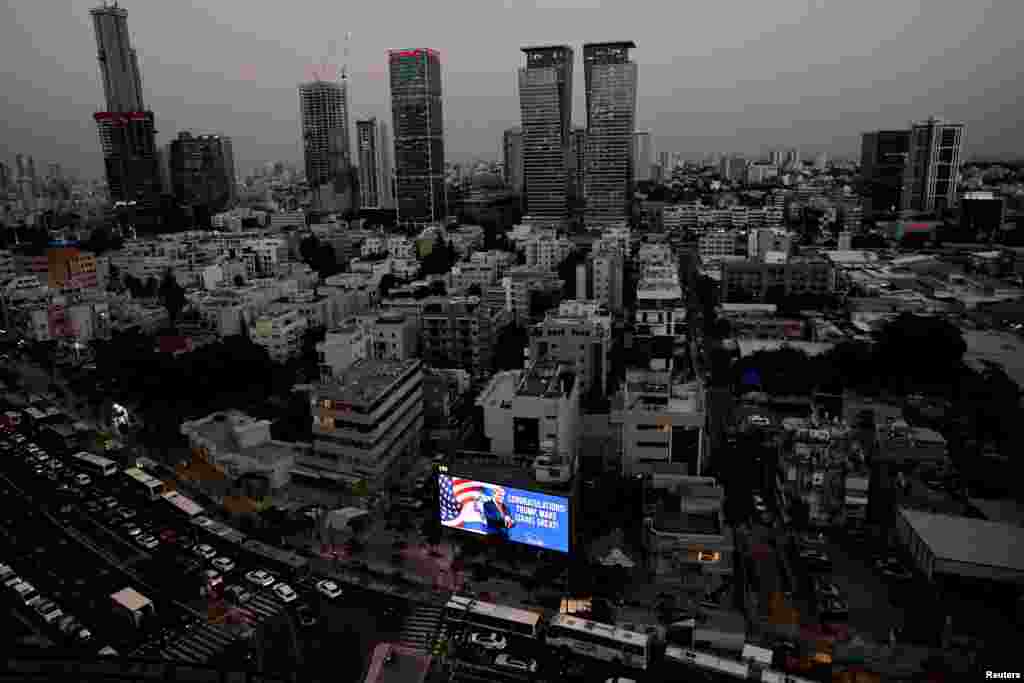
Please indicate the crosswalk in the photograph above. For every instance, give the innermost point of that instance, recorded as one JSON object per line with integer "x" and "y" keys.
{"x": 256, "y": 610}
{"x": 421, "y": 628}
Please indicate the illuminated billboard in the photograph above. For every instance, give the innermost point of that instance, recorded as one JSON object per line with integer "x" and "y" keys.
{"x": 520, "y": 516}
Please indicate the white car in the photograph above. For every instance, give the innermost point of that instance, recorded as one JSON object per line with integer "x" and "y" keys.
{"x": 509, "y": 662}
{"x": 49, "y": 611}
{"x": 206, "y": 552}
{"x": 328, "y": 588}
{"x": 146, "y": 541}
{"x": 202, "y": 521}
{"x": 224, "y": 564}
{"x": 285, "y": 593}
{"x": 759, "y": 421}
{"x": 489, "y": 641}
{"x": 260, "y": 578}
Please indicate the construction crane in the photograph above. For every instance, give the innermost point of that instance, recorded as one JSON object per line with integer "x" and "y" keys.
{"x": 332, "y": 48}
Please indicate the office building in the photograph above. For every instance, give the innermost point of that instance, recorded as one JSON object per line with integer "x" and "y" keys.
{"x": 324, "y": 110}
{"x": 367, "y": 421}
{"x": 418, "y": 118}
{"x": 374, "y": 166}
{"x": 202, "y": 171}
{"x": 610, "y": 79}
{"x": 933, "y": 165}
{"x": 512, "y": 158}
{"x": 545, "y": 103}
{"x": 643, "y": 155}
{"x": 883, "y": 161}
{"x": 126, "y": 128}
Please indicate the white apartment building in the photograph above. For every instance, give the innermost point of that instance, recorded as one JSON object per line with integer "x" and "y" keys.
{"x": 401, "y": 247}
{"x": 7, "y": 267}
{"x": 280, "y": 334}
{"x": 404, "y": 268}
{"x": 317, "y": 309}
{"x": 342, "y": 347}
{"x": 618, "y": 237}
{"x": 527, "y": 412}
{"x": 606, "y": 270}
{"x": 500, "y": 260}
{"x": 367, "y": 422}
{"x": 374, "y": 246}
{"x": 545, "y": 250}
{"x": 578, "y": 335}
{"x": 466, "y": 273}
{"x": 761, "y": 241}
{"x": 522, "y": 282}
{"x": 717, "y": 245}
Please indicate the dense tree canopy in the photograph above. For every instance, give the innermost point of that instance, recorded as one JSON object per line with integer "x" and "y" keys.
{"x": 172, "y": 296}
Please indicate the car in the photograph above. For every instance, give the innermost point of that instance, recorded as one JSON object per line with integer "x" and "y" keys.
{"x": 516, "y": 664}
{"x": 147, "y": 541}
{"x": 328, "y": 588}
{"x": 816, "y": 559}
{"x": 826, "y": 590}
{"x": 307, "y": 618}
{"x": 759, "y": 420}
{"x": 205, "y": 551}
{"x": 6, "y": 572}
{"x": 488, "y": 641}
{"x": 285, "y": 593}
{"x": 260, "y": 578}
{"x": 894, "y": 570}
{"x": 833, "y": 609}
{"x": 132, "y": 530}
{"x": 184, "y": 542}
{"x": 203, "y": 521}
{"x": 237, "y": 594}
{"x": 224, "y": 564}
{"x": 49, "y": 611}
{"x": 108, "y": 502}
{"x": 126, "y": 513}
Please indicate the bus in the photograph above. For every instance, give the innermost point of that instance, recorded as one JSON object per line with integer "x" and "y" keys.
{"x": 600, "y": 641}
{"x": 95, "y": 464}
{"x": 715, "y": 668}
{"x": 150, "y": 487}
{"x": 465, "y": 610}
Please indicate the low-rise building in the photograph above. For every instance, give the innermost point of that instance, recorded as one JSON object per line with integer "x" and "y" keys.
{"x": 753, "y": 280}
{"x": 459, "y": 332}
{"x": 280, "y": 333}
{"x": 341, "y": 347}
{"x": 578, "y": 334}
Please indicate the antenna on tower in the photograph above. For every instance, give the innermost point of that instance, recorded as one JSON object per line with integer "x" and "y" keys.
{"x": 344, "y": 64}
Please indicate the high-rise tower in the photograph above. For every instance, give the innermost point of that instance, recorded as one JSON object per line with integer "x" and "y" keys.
{"x": 512, "y": 158}
{"x": 933, "y": 165}
{"x": 325, "y": 137}
{"x": 883, "y": 162}
{"x": 126, "y": 128}
{"x": 202, "y": 171}
{"x": 418, "y": 119}
{"x": 610, "y": 78}
{"x": 643, "y": 155}
{"x": 374, "y": 174}
{"x": 545, "y": 102}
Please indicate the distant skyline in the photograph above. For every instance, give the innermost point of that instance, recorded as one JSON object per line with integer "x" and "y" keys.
{"x": 739, "y": 77}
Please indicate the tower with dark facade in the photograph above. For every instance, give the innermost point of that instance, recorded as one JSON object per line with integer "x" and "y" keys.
{"x": 545, "y": 103}
{"x": 374, "y": 169}
{"x": 883, "y": 161}
{"x": 126, "y": 128}
{"x": 202, "y": 172}
{"x": 325, "y": 140}
{"x": 933, "y": 165}
{"x": 610, "y": 79}
{"x": 418, "y": 127}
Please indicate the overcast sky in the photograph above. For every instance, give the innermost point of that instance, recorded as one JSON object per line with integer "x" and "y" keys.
{"x": 725, "y": 76}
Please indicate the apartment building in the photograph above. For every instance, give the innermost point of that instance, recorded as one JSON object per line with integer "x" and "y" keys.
{"x": 601, "y": 278}
{"x": 718, "y": 245}
{"x": 280, "y": 333}
{"x": 341, "y": 348}
{"x": 465, "y": 274}
{"x": 523, "y": 281}
{"x": 743, "y": 280}
{"x": 460, "y": 332}
{"x": 545, "y": 250}
{"x": 367, "y": 421}
{"x": 579, "y": 335}
{"x": 393, "y": 336}
{"x": 527, "y": 412}
{"x": 763, "y": 241}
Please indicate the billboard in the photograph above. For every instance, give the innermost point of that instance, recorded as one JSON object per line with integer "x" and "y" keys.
{"x": 518, "y": 515}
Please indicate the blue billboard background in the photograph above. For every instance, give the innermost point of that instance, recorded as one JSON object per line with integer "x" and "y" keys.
{"x": 529, "y": 517}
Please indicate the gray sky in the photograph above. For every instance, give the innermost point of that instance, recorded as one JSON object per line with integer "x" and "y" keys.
{"x": 728, "y": 75}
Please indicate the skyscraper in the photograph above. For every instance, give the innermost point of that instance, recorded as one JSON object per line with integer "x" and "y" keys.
{"x": 643, "y": 155}
{"x": 545, "y": 105}
{"x": 883, "y": 161}
{"x": 611, "y": 80}
{"x": 578, "y": 156}
{"x": 323, "y": 107}
{"x": 374, "y": 183}
{"x": 512, "y": 158}
{"x": 5, "y": 176}
{"x": 127, "y": 131}
{"x": 202, "y": 171}
{"x": 933, "y": 165}
{"x": 418, "y": 119}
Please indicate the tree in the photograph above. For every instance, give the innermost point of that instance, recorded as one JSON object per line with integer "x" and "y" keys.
{"x": 151, "y": 288}
{"x": 308, "y": 248}
{"x": 567, "y": 274}
{"x": 438, "y": 288}
{"x": 918, "y": 350}
{"x": 172, "y": 296}
{"x": 135, "y": 286}
{"x": 474, "y": 290}
{"x": 239, "y": 280}
{"x": 508, "y": 352}
{"x": 387, "y": 283}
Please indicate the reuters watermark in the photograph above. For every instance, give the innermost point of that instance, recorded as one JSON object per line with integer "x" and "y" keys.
{"x": 1002, "y": 675}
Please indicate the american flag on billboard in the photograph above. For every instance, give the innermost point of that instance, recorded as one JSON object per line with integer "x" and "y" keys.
{"x": 463, "y": 503}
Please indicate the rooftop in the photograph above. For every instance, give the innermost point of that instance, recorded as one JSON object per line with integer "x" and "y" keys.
{"x": 367, "y": 380}
{"x": 967, "y": 540}
{"x": 547, "y": 379}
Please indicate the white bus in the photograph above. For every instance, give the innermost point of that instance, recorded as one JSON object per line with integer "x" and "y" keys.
{"x": 94, "y": 464}
{"x": 150, "y": 487}
{"x": 716, "y": 668}
{"x": 600, "y": 641}
{"x": 465, "y": 610}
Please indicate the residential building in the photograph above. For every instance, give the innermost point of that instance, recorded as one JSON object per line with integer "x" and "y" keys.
{"x": 936, "y": 151}
{"x": 718, "y": 245}
{"x": 545, "y": 249}
{"x": 610, "y": 79}
{"x": 460, "y": 332}
{"x": 763, "y": 241}
{"x": 578, "y": 335}
{"x": 341, "y": 347}
{"x": 759, "y": 172}
{"x": 416, "y": 107}
{"x": 280, "y": 334}
{"x": 545, "y": 99}
{"x": 202, "y": 170}
{"x": 374, "y": 173}
{"x": 533, "y": 411}
{"x": 367, "y": 421}
{"x": 512, "y": 158}
{"x": 324, "y": 109}
{"x": 393, "y": 336}
{"x": 603, "y": 278}
{"x": 523, "y": 282}
{"x": 743, "y": 280}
